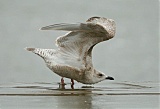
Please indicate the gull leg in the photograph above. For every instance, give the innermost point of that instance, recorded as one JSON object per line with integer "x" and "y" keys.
{"x": 72, "y": 83}
{"x": 62, "y": 81}
{"x": 62, "y": 84}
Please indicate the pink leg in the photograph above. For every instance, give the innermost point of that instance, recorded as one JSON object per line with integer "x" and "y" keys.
{"x": 62, "y": 84}
{"x": 62, "y": 81}
{"x": 72, "y": 83}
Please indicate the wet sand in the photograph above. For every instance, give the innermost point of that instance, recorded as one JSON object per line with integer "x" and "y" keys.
{"x": 115, "y": 95}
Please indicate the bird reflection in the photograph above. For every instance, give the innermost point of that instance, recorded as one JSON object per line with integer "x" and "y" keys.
{"x": 75, "y": 98}
{"x": 62, "y": 86}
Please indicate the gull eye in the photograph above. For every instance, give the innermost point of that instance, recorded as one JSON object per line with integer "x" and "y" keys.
{"x": 100, "y": 74}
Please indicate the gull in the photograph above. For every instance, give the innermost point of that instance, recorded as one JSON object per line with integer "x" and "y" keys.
{"x": 73, "y": 57}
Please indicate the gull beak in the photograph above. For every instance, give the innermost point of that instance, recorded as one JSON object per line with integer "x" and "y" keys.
{"x": 109, "y": 78}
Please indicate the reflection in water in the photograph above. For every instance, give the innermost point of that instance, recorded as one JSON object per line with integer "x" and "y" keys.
{"x": 49, "y": 96}
{"x": 62, "y": 86}
{"x": 73, "y": 98}
{"x": 81, "y": 99}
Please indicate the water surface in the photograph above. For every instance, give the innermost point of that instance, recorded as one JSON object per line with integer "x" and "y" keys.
{"x": 117, "y": 95}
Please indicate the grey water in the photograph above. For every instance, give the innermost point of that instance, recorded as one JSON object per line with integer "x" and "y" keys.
{"x": 116, "y": 95}
{"x": 131, "y": 56}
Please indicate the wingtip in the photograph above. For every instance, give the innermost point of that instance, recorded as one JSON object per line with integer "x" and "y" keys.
{"x": 42, "y": 28}
{"x": 45, "y": 28}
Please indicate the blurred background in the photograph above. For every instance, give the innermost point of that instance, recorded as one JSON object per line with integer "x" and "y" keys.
{"x": 132, "y": 55}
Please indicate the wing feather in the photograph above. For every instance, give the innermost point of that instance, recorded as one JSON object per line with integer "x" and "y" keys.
{"x": 75, "y": 27}
{"x": 77, "y": 45}
{"x": 62, "y": 26}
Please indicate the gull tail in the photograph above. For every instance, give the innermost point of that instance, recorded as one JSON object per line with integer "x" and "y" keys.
{"x": 44, "y": 53}
{"x": 30, "y": 49}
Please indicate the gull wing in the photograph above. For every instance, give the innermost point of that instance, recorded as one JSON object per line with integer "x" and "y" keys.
{"x": 76, "y": 46}
{"x": 67, "y": 27}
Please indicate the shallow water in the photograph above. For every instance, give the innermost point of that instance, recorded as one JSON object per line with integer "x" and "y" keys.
{"x": 116, "y": 95}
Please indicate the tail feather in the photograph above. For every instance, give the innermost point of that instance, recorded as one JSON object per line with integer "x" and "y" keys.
{"x": 44, "y": 53}
{"x": 30, "y": 49}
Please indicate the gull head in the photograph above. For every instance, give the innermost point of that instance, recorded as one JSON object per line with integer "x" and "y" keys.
{"x": 96, "y": 76}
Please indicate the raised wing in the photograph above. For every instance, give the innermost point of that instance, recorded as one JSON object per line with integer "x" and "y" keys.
{"x": 77, "y": 45}
{"x": 67, "y": 27}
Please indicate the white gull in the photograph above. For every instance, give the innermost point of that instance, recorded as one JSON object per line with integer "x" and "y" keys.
{"x": 73, "y": 58}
